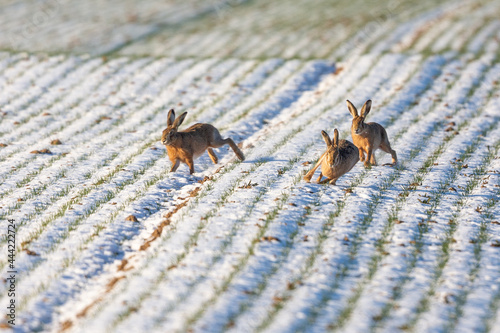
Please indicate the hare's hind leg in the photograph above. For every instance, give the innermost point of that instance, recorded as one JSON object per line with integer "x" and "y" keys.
{"x": 212, "y": 155}
{"x": 386, "y": 146}
{"x": 219, "y": 142}
{"x": 235, "y": 148}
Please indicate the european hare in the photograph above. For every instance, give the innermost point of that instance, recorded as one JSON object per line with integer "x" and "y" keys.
{"x": 185, "y": 146}
{"x": 338, "y": 159}
{"x": 368, "y": 137}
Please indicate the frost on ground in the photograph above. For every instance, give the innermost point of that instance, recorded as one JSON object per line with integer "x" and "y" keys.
{"x": 108, "y": 240}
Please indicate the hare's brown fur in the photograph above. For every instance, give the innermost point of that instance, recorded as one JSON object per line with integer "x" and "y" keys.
{"x": 185, "y": 146}
{"x": 338, "y": 159}
{"x": 369, "y": 137}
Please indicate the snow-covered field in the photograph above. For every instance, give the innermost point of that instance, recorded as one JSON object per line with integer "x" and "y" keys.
{"x": 108, "y": 240}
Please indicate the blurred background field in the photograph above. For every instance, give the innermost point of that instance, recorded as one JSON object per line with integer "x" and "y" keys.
{"x": 246, "y": 29}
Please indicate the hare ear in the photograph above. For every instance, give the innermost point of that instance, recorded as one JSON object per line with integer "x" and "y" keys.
{"x": 327, "y": 139}
{"x": 180, "y": 119}
{"x": 171, "y": 117}
{"x": 335, "y": 137}
{"x": 366, "y": 108}
{"x": 352, "y": 109}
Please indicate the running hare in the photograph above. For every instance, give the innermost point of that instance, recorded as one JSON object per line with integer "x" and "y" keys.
{"x": 338, "y": 159}
{"x": 185, "y": 146}
{"x": 368, "y": 137}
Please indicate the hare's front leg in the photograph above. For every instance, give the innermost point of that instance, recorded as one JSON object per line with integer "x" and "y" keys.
{"x": 319, "y": 178}
{"x": 190, "y": 164}
{"x": 333, "y": 181}
{"x": 369, "y": 154}
{"x": 324, "y": 181}
{"x": 175, "y": 165}
{"x": 311, "y": 172}
{"x": 361, "y": 155}
{"x": 373, "y": 161}
{"x": 212, "y": 155}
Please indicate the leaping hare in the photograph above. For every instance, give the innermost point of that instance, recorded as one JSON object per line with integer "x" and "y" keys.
{"x": 185, "y": 146}
{"x": 338, "y": 159}
{"x": 368, "y": 137}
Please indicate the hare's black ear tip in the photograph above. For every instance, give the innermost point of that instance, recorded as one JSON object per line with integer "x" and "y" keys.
{"x": 171, "y": 110}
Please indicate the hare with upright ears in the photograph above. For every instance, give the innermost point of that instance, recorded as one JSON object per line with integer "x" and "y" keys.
{"x": 368, "y": 137}
{"x": 185, "y": 146}
{"x": 338, "y": 159}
